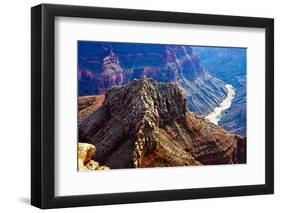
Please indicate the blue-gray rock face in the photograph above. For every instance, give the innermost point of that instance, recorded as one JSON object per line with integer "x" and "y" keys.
{"x": 229, "y": 64}
{"x": 105, "y": 65}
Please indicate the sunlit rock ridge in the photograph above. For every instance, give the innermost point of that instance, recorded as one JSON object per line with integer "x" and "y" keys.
{"x": 148, "y": 124}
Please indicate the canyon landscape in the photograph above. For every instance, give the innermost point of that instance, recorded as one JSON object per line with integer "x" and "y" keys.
{"x": 156, "y": 105}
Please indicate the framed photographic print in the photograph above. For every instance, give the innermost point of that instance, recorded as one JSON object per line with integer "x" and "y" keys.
{"x": 139, "y": 106}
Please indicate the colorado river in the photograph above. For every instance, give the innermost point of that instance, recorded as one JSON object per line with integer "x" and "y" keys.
{"x": 216, "y": 115}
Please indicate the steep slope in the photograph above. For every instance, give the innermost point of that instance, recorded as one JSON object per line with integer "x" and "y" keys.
{"x": 148, "y": 124}
{"x": 88, "y": 104}
{"x": 235, "y": 118}
{"x": 229, "y": 64}
{"x": 104, "y": 65}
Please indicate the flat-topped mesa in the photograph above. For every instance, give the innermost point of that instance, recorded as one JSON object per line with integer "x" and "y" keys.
{"x": 148, "y": 124}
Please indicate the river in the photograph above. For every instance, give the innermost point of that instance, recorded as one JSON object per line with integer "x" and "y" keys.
{"x": 216, "y": 115}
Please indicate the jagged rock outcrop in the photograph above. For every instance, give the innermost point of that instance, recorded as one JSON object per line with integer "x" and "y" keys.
{"x": 85, "y": 162}
{"x": 112, "y": 73}
{"x": 148, "y": 124}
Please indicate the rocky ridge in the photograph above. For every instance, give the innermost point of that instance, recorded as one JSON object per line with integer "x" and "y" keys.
{"x": 148, "y": 124}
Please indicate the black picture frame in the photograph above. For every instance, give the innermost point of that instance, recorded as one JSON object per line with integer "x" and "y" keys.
{"x": 43, "y": 102}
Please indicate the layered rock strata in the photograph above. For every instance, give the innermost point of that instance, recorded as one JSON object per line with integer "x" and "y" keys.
{"x": 148, "y": 124}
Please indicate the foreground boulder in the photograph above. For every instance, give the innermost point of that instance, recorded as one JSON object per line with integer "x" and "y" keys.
{"x": 85, "y": 162}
